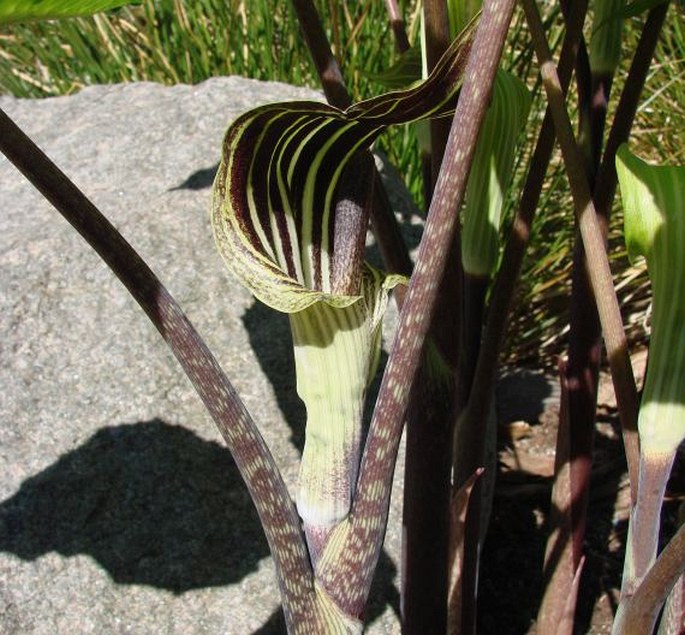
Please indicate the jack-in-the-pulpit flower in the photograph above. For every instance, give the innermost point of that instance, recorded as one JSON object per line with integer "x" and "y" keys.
{"x": 289, "y": 213}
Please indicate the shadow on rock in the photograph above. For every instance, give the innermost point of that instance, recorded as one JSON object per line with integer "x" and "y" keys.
{"x": 152, "y": 503}
{"x": 271, "y": 340}
{"x": 198, "y": 180}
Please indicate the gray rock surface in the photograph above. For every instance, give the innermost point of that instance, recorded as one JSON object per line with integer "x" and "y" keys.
{"x": 120, "y": 508}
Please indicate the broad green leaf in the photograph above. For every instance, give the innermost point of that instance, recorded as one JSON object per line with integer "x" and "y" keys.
{"x": 607, "y": 28}
{"x": 491, "y": 174}
{"x": 21, "y": 10}
{"x": 404, "y": 72}
{"x": 461, "y": 12}
{"x": 654, "y": 215}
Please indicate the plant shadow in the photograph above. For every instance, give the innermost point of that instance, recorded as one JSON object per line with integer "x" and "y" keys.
{"x": 198, "y": 180}
{"x": 151, "y": 502}
{"x": 271, "y": 341}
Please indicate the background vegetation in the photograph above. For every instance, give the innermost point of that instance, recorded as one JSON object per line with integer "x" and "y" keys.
{"x": 172, "y": 41}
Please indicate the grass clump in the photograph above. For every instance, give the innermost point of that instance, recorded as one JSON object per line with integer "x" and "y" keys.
{"x": 172, "y": 42}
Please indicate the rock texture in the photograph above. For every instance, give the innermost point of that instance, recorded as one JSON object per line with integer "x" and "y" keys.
{"x": 120, "y": 509}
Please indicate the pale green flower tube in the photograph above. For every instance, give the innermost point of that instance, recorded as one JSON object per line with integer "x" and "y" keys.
{"x": 336, "y": 355}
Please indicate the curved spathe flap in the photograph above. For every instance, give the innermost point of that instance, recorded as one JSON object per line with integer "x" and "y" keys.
{"x": 282, "y": 170}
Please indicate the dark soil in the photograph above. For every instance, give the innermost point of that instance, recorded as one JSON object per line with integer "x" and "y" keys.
{"x": 511, "y": 580}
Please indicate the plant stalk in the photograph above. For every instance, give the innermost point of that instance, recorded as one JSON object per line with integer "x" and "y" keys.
{"x": 595, "y": 77}
{"x": 559, "y": 569}
{"x": 360, "y": 541}
{"x": 507, "y": 276}
{"x": 480, "y": 397}
{"x": 256, "y": 464}
{"x": 397, "y": 25}
{"x": 428, "y": 450}
{"x": 598, "y": 265}
{"x": 640, "y": 612}
{"x": 580, "y": 375}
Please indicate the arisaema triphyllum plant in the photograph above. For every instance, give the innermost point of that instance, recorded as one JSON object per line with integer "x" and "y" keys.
{"x": 290, "y": 215}
{"x": 300, "y": 173}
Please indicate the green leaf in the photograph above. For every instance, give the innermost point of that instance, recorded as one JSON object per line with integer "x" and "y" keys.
{"x": 404, "y": 72}
{"x": 607, "y": 28}
{"x": 21, "y": 10}
{"x": 461, "y": 12}
{"x": 638, "y": 7}
{"x": 653, "y": 202}
{"x": 491, "y": 174}
{"x": 654, "y": 216}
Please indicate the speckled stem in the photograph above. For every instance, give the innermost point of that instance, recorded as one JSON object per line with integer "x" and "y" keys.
{"x": 267, "y": 488}
{"x": 354, "y": 548}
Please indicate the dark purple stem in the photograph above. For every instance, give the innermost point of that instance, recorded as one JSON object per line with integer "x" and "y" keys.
{"x": 585, "y": 343}
{"x": 424, "y": 579}
{"x": 481, "y": 390}
{"x": 326, "y": 65}
{"x": 267, "y": 488}
{"x": 349, "y": 579}
{"x": 585, "y": 336}
{"x": 593, "y": 241}
{"x": 397, "y": 24}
